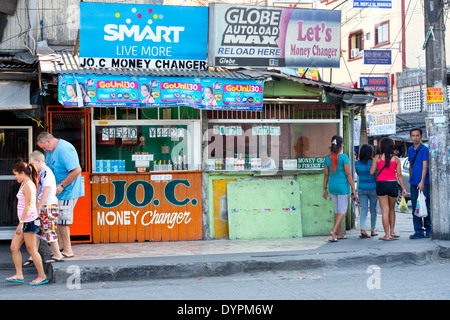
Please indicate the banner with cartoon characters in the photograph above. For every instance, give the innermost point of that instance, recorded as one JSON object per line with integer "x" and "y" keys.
{"x": 124, "y": 91}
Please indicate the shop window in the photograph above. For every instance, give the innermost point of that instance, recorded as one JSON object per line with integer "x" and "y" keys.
{"x": 154, "y": 146}
{"x": 170, "y": 113}
{"x": 264, "y": 145}
{"x": 356, "y": 44}
{"x": 382, "y": 34}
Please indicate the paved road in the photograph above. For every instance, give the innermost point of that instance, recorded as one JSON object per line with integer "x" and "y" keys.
{"x": 391, "y": 281}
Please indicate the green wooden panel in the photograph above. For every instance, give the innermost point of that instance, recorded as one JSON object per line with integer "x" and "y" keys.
{"x": 264, "y": 209}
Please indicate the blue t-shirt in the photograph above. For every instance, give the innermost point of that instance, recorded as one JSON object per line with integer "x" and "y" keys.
{"x": 61, "y": 161}
{"x": 337, "y": 182}
{"x": 416, "y": 169}
{"x": 366, "y": 180}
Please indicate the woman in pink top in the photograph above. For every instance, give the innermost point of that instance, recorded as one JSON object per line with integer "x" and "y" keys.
{"x": 389, "y": 170}
{"x": 26, "y": 175}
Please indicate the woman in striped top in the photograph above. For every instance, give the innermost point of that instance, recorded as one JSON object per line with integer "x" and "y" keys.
{"x": 26, "y": 231}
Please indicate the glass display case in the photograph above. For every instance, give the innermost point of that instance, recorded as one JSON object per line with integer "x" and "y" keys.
{"x": 265, "y": 145}
{"x": 144, "y": 146}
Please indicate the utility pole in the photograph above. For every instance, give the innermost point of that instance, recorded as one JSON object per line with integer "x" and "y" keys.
{"x": 437, "y": 109}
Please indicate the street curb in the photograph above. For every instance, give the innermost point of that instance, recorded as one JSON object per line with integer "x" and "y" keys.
{"x": 207, "y": 266}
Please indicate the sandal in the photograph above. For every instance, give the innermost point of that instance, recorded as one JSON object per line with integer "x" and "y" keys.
{"x": 14, "y": 279}
{"x": 333, "y": 237}
{"x": 54, "y": 260}
{"x": 28, "y": 263}
{"x": 364, "y": 235}
{"x": 33, "y": 283}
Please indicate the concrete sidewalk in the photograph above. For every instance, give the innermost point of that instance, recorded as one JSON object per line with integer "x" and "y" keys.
{"x": 206, "y": 258}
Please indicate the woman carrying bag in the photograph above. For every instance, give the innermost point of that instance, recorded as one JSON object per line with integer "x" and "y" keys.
{"x": 389, "y": 170}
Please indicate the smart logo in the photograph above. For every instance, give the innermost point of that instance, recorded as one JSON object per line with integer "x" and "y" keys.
{"x": 141, "y": 36}
{"x": 114, "y": 32}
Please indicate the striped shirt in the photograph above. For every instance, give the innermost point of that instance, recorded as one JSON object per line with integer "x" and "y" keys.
{"x": 32, "y": 214}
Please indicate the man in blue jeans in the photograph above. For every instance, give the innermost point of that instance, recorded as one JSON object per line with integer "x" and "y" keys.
{"x": 419, "y": 179}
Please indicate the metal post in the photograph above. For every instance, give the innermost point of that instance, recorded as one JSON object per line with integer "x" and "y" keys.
{"x": 438, "y": 136}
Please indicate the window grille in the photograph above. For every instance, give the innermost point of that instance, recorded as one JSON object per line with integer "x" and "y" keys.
{"x": 411, "y": 99}
{"x": 280, "y": 112}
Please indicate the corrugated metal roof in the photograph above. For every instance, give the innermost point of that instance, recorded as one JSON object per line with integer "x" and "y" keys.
{"x": 320, "y": 84}
{"x": 64, "y": 62}
{"x": 15, "y": 63}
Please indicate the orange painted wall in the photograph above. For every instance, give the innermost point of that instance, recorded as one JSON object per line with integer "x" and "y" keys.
{"x": 146, "y": 206}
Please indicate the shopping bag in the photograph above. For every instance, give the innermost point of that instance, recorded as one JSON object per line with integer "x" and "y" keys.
{"x": 421, "y": 206}
{"x": 378, "y": 208}
{"x": 402, "y": 206}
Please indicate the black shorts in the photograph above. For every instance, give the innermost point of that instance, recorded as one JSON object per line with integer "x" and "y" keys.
{"x": 387, "y": 188}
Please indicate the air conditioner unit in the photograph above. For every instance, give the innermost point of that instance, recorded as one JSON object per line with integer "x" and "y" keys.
{"x": 356, "y": 53}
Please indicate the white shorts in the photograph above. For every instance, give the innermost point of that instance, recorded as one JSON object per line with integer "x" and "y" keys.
{"x": 65, "y": 217}
{"x": 340, "y": 203}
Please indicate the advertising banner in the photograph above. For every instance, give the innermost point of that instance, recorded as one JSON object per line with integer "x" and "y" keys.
{"x": 124, "y": 91}
{"x": 381, "y": 124}
{"x": 377, "y": 57}
{"x": 379, "y": 86}
{"x": 252, "y": 36}
{"x": 143, "y": 36}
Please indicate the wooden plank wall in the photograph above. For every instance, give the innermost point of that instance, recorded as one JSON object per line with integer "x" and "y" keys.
{"x": 129, "y": 223}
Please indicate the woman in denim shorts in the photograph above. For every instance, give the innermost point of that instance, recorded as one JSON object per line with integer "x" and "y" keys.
{"x": 28, "y": 226}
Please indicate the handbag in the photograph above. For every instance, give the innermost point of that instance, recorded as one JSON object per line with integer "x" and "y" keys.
{"x": 421, "y": 206}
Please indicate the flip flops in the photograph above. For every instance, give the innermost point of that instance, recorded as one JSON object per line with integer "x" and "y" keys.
{"x": 32, "y": 283}
{"x": 54, "y": 260}
{"x": 15, "y": 280}
{"x": 28, "y": 263}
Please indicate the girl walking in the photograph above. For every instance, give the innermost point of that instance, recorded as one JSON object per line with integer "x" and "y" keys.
{"x": 26, "y": 175}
